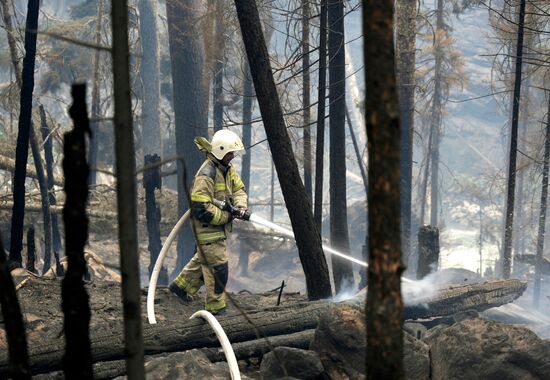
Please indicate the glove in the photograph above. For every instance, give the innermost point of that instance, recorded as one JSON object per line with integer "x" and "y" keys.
{"x": 240, "y": 213}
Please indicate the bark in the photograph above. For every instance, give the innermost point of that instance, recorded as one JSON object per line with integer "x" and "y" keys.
{"x": 44, "y": 200}
{"x": 405, "y": 30}
{"x": 384, "y": 309}
{"x": 187, "y": 58}
{"x": 308, "y": 238}
{"x": 18, "y": 362}
{"x": 339, "y": 238}
{"x": 152, "y": 181}
{"x": 321, "y": 97}
{"x": 424, "y": 187}
{"x": 509, "y": 221}
{"x": 306, "y": 102}
{"x": 149, "y": 73}
{"x": 31, "y": 251}
{"x": 6, "y": 17}
{"x": 219, "y": 63}
{"x": 183, "y": 335}
{"x": 126, "y": 192}
{"x": 8, "y": 164}
{"x": 362, "y": 270}
{"x": 456, "y": 299}
{"x": 22, "y": 148}
{"x": 248, "y": 100}
{"x": 77, "y": 361}
{"x": 435, "y": 121}
{"x": 258, "y": 347}
{"x": 48, "y": 155}
{"x": 94, "y": 142}
{"x": 542, "y": 213}
{"x": 428, "y": 251}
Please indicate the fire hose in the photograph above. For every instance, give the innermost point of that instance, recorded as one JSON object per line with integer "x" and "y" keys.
{"x": 245, "y": 215}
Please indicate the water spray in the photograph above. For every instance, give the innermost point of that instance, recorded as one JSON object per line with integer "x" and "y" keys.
{"x": 245, "y": 215}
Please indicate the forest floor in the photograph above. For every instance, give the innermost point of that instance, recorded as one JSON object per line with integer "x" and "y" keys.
{"x": 271, "y": 260}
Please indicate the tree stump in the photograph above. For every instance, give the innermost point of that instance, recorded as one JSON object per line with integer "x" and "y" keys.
{"x": 428, "y": 251}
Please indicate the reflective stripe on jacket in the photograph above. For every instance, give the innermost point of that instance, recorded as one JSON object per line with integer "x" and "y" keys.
{"x": 213, "y": 180}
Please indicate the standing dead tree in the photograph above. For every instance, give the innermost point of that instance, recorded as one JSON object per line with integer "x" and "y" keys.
{"x": 77, "y": 362}
{"x": 321, "y": 97}
{"x": 308, "y": 238}
{"x": 384, "y": 303}
{"x": 22, "y": 148}
{"x": 542, "y": 212}
{"x": 126, "y": 192}
{"x": 511, "y": 187}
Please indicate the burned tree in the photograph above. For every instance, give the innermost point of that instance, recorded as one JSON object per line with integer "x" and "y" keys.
{"x": 187, "y": 61}
{"x": 151, "y": 181}
{"x": 321, "y": 96}
{"x": 308, "y": 238}
{"x": 384, "y": 303}
{"x": 126, "y": 192}
{"x": 77, "y": 362}
{"x": 511, "y": 187}
{"x": 22, "y": 148}
{"x": 339, "y": 236}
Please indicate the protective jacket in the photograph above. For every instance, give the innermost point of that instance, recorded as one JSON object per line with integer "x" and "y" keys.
{"x": 215, "y": 180}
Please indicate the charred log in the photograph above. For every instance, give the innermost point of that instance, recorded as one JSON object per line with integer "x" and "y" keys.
{"x": 457, "y": 299}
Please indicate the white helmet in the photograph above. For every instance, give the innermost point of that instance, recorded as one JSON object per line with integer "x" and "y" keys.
{"x": 225, "y": 141}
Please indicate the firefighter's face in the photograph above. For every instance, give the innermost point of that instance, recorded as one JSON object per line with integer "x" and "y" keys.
{"x": 228, "y": 157}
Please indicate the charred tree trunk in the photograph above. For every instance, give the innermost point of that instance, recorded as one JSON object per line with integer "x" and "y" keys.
{"x": 248, "y": 99}
{"x": 94, "y": 142}
{"x": 339, "y": 237}
{"x": 306, "y": 102}
{"x": 405, "y": 30}
{"x": 77, "y": 362}
{"x": 8, "y": 24}
{"x": 219, "y": 63}
{"x": 428, "y": 251}
{"x": 31, "y": 250}
{"x": 424, "y": 187}
{"x": 187, "y": 58}
{"x": 435, "y": 121}
{"x": 321, "y": 97}
{"x": 149, "y": 73}
{"x": 48, "y": 155}
{"x": 126, "y": 192}
{"x": 151, "y": 181}
{"x": 362, "y": 270}
{"x": 13, "y": 320}
{"x": 542, "y": 213}
{"x": 22, "y": 148}
{"x": 272, "y": 194}
{"x": 308, "y": 239}
{"x": 44, "y": 200}
{"x": 384, "y": 302}
{"x": 509, "y": 223}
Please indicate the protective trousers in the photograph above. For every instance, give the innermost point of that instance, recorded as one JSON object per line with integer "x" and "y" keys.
{"x": 209, "y": 267}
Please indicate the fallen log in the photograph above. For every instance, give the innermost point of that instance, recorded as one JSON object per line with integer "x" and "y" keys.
{"x": 258, "y": 347}
{"x": 460, "y": 298}
{"x": 243, "y": 351}
{"x": 181, "y": 336}
{"x": 8, "y": 164}
{"x": 278, "y": 323}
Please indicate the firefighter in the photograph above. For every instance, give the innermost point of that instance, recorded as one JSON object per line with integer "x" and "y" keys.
{"x": 216, "y": 180}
